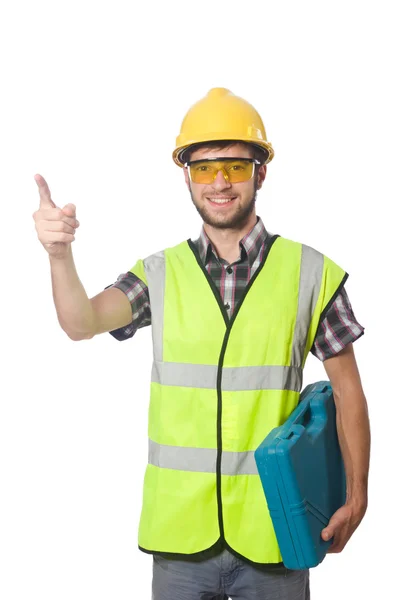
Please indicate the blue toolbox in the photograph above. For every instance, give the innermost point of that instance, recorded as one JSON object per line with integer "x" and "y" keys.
{"x": 303, "y": 477}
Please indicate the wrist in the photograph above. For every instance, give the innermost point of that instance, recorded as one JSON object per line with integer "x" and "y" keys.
{"x": 358, "y": 503}
{"x": 61, "y": 258}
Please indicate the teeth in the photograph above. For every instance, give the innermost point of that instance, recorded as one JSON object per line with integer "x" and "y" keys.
{"x": 221, "y": 200}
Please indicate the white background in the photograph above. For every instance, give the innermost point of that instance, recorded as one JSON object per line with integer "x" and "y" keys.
{"x": 93, "y": 95}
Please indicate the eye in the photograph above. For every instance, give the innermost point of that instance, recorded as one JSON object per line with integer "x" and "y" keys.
{"x": 237, "y": 168}
{"x": 202, "y": 168}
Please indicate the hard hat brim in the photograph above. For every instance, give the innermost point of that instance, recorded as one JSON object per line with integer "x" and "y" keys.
{"x": 176, "y": 155}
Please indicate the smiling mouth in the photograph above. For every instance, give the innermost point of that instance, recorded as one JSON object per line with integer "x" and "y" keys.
{"x": 221, "y": 200}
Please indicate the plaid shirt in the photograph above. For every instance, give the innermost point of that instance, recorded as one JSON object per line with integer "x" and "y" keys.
{"x": 338, "y": 328}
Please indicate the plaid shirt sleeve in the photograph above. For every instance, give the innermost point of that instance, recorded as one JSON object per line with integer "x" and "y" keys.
{"x": 338, "y": 328}
{"x": 138, "y": 294}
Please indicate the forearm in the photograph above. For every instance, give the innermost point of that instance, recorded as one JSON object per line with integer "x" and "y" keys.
{"x": 354, "y": 438}
{"x": 74, "y": 309}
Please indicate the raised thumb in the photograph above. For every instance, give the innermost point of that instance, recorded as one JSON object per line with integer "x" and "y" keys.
{"x": 69, "y": 210}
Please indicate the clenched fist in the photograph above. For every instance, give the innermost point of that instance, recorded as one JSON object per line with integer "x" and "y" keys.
{"x": 55, "y": 226}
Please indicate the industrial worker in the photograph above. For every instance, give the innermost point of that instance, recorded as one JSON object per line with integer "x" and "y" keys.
{"x": 234, "y": 315}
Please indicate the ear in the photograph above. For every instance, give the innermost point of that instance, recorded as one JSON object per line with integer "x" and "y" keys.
{"x": 186, "y": 174}
{"x": 261, "y": 175}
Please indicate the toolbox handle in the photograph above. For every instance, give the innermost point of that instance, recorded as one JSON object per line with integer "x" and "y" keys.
{"x": 311, "y": 415}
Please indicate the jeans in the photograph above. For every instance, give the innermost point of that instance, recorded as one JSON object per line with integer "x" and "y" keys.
{"x": 226, "y": 576}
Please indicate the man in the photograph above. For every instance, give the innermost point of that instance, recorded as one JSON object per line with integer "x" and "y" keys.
{"x": 234, "y": 315}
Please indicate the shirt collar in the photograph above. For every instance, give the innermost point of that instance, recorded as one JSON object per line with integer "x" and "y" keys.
{"x": 250, "y": 244}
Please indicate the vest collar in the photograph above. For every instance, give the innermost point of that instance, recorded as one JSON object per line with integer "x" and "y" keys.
{"x": 250, "y": 244}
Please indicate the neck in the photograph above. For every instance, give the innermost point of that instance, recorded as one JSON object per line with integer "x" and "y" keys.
{"x": 226, "y": 241}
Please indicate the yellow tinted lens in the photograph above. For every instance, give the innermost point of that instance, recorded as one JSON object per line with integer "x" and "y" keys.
{"x": 203, "y": 172}
{"x": 239, "y": 170}
{"x": 234, "y": 171}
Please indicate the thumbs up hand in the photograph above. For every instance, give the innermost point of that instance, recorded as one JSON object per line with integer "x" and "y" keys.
{"x": 55, "y": 226}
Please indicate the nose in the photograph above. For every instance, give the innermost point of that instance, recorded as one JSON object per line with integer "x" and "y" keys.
{"x": 220, "y": 182}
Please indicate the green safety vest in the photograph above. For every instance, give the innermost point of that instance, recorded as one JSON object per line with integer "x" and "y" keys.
{"x": 218, "y": 387}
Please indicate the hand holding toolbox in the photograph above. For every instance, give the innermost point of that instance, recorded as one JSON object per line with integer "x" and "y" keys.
{"x": 301, "y": 469}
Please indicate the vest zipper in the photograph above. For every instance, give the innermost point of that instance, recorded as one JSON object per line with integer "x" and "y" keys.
{"x": 229, "y": 325}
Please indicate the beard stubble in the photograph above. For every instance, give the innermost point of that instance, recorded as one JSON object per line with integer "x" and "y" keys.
{"x": 235, "y": 221}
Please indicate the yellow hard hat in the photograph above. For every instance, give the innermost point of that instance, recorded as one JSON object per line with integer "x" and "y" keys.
{"x": 221, "y": 115}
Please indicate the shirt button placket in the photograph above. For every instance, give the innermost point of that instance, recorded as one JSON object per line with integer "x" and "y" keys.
{"x": 229, "y": 271}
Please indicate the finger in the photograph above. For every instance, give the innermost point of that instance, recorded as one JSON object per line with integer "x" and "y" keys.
{"x": 336, "y": 546}
{"x": 332, "y": 528}
{"x": 70, "y": 210}
{"x": 44, "y": 191}
{"x": 57, "y": 214}
{"x": 339, "y": 540}
{"x": 57, "y": 226}
{"x": 327, "y": 533}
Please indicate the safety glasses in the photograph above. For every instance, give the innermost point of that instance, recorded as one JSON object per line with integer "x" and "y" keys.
{"x": 234, "y": 170}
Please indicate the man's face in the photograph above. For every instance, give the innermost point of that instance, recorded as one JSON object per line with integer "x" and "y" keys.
{"x": 242, "y": 196}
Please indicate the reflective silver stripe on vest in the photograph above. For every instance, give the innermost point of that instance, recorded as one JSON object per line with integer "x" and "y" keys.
{"x": 155, "y": 272}
{"x": 233, "y": 378}
{"x": 238, "y": 463}
{"x": 311, "y": 273}
{"x": 201, "y": 460}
